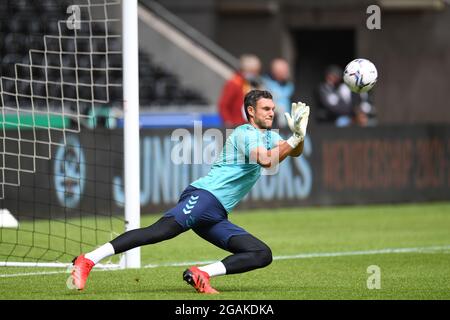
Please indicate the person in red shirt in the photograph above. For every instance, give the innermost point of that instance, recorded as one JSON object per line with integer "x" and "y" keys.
{"x": 231, "y": 109}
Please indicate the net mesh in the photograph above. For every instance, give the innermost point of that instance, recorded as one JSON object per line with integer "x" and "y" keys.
{"x": 49, "y": 105}
{"x": 70, "y": 75}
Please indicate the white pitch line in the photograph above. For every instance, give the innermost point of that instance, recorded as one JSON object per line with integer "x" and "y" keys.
{"x": 364, "y": 252}
{"x": 319, "y": 255}
{"x": 296, "y": 256}
{"x": 68, "y": 268}
{"x": 13, "y": 275}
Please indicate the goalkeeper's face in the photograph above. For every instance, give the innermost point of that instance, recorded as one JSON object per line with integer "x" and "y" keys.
{"x": 263, "y": 113}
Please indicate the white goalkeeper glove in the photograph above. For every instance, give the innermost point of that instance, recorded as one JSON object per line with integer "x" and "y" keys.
{"x": 297, "y": 122}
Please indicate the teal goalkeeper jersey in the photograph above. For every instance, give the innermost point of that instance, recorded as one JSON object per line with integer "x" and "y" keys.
{"x": 233, "y": 174}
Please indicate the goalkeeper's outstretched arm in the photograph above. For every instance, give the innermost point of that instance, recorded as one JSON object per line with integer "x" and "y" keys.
{"x": 271, "y": 158}
{"x": 297, "y": 122}
{"x": 297, "y": 151}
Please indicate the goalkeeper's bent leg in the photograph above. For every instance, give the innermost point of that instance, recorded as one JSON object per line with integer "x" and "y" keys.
{"x": 249, "y": 253}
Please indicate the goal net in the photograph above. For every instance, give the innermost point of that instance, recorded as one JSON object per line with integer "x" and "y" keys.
{"x": 61, "y": 135}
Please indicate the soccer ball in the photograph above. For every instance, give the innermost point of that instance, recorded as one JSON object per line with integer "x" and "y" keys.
{"x": 360, "y": 75}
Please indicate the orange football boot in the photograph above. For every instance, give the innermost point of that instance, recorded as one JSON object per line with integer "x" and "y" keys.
{"x": 80, "y": 272}
{"x": 199, "y": 280}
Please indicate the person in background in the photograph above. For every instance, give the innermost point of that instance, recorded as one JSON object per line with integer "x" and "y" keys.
{"x": 247, "y": 78}
{"x": 334, "y": 99}
{"x": 278, "y": 82}
{"x": 365, "y": 113}
{"x": 338, "y": 105}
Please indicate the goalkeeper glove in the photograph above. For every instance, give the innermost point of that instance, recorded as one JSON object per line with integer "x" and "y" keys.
{"x": 297, "y": 122}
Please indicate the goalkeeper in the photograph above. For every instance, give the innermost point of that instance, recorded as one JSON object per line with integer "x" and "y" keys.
{"x": 205, "y": 204}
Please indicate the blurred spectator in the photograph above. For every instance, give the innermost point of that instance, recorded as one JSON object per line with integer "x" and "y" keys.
{"x": 278, "y": 82}
{"x": 231, "y": 108}
{"x": 337, "y": 104}
{"x": 365, "y": 115}
{"x": 334, "y": 99}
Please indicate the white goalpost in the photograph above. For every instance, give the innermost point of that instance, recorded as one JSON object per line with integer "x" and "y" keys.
{"x": 73, "y": 70}
{"x": 131, "y": 124}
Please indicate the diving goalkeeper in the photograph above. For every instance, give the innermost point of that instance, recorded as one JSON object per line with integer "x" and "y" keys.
{"x": 205, "y": 204}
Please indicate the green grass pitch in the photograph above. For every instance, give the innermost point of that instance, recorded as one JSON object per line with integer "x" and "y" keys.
{"x": 320, "y": 253}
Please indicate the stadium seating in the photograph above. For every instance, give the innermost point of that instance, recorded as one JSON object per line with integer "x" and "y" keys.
{"x": 23, "y": 23}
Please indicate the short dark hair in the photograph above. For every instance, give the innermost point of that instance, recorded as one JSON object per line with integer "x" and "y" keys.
{"x": 333, "y": 69}
{"x": 252, "y": 98}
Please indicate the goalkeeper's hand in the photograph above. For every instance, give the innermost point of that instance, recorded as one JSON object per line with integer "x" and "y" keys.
{"x": 297, "y": 122}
